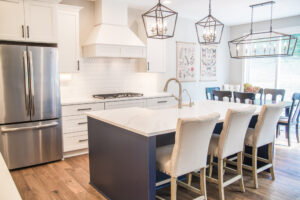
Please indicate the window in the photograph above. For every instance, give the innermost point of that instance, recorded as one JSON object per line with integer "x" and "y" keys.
{"x": 282, "y": 72}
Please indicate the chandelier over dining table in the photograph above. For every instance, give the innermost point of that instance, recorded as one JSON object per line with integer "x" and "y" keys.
{"x": 263, "y": 44}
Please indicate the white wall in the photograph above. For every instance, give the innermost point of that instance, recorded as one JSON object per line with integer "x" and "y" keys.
{"x": 236, "y": 65}
{"x": 103, "y": 75}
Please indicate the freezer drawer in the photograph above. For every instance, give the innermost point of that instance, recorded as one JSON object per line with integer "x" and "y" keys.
{"x": 29, "y": 144}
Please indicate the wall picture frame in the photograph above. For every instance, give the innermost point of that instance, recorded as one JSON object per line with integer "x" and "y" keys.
{"x": 185, "y": 61}
{"x": 208, "y": 63}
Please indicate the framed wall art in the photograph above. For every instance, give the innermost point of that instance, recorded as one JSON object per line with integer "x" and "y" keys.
{"x": 185, "y": 59}
{"x": 208, "y": 66}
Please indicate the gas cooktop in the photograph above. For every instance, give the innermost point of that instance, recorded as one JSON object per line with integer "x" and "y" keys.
{"x": 117, "y": 95}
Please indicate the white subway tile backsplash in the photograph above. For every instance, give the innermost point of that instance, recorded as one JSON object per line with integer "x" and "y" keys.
{"x": 106, "y": 75}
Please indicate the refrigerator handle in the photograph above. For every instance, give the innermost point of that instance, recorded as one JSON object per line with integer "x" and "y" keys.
{"x": 8, "y": 130}
{"x": 31, "y": 83}
{"x": 25, "y": 65}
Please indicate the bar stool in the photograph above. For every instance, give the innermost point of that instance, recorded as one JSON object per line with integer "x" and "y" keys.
{"x": 189, "y": 153}
{"x": 230, "y": 142}
{"x": 263, "y": 134}
{"x": 243, "y": 96}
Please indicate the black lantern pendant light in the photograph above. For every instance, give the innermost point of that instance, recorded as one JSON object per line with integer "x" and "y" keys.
{"x": 160, "y": 22}
{"x": 262, "y": 44}
{"x": 209, "y": 29}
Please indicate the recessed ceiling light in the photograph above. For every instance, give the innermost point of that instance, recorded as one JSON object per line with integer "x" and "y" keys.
{"x": 167, "y": 2}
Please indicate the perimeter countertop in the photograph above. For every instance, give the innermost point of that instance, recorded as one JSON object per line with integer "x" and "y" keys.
{"x": 8, "y": 189}
{"x": 87, "y": 100}
{"x": 151, "y": 122}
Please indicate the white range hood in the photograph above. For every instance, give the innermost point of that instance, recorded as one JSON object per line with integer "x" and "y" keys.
{"x": 111, "y": 36}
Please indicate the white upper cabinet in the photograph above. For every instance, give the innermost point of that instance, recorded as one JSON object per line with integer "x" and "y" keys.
{"x": 68, "y": 38}
{"x": 28, "y": 20}
{"x": 12, "y": 20}
{"x": 40, "y": 21}
{"x": 156, "y": 55}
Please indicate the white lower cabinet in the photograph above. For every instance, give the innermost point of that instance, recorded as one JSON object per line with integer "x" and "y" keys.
{"x": 75, "y": 129}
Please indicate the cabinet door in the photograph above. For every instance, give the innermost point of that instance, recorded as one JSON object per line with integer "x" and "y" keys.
{"x": 40, "y": 21}
{"x": 11, "y": 20}
{"x": 68, "y": 40}
{"x": 156, "y": 55}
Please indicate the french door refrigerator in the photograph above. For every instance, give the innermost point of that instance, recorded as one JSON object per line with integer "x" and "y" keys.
{"x": 30, "y": 112}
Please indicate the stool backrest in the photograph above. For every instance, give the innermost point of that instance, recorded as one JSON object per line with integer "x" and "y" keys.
{"x": 265, "y": 128}
{"x": 209, "y": 92}
{"x": 274, "y": 93}
{"x": 234, "y": 130}
{"x": 221, "y": 95}
{"x": 191, "y": 143}
{"x": 243, "y": 96}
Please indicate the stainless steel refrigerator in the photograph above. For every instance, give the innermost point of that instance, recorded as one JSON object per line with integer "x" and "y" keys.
{"x": 30, "y": 112}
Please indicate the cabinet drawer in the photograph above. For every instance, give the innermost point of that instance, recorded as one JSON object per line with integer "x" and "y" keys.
{"x": 81, "y": 109}
{"x": 124, "y": 104}
{"x": 75, "y": 141}
{"x": 161, "y": 102}
{"x": 74, "y": 123}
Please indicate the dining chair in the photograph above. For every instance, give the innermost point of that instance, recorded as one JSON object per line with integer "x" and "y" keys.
{"x": 189, "y": 153}
{"x": 209, "y": 92}
{"x": 260, "y": 95}
{"x": 221, "y": 95}
{"x": 243, "y": 96}
{"x": 229, "y": 142}
{"x": 263, "y": 134}
{"x": 292, "y": 119}
{"x": 274, "y": 94}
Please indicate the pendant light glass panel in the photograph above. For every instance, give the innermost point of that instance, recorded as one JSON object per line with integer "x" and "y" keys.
{"x": 160, "y": 22}
{"x": 209, "y": 29}
{"x": 263, "y": 44}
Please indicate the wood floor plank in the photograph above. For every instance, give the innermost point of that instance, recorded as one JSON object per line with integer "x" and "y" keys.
{"x": 69, "y": 180}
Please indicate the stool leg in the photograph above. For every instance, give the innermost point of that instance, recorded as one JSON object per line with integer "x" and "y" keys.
{"x": 288, "y": 131}
{"x": 211, "y": 159}
{"x": 297, "y": 132}
{"x": 203, "y": 182}
{"x": 189, "y": 179}
{"x": 173, "y": 188}
{"x": 240, "y": 170}
{"x": 270, "y": 155}
{"x": 254, "y": 166}
{"x": 220, "y": 179}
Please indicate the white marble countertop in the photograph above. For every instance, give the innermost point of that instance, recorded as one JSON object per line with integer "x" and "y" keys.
{"x": 151, "y": 122}
{"x": 86, "y": 100}
{"x": 8, "y": 189}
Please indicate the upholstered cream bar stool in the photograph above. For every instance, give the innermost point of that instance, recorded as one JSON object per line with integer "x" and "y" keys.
{"x": 230, "y": 142}
{"x": 263, "y": 134}
{"x": 189, "y": 153}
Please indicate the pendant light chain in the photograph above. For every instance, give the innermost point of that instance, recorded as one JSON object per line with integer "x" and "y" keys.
{"x": 209, "y": 7}
{"x": 271, "y": 20}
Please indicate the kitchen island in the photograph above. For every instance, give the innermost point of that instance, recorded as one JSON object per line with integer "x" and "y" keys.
{"x": 123, "y": 142}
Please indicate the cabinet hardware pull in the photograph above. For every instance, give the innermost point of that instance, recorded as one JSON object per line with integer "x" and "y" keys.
{"x": 148, "y": 66}
{"x": 82, "y": 123}
{"x": 78, "y": 65}
{"x": 162, "y": 102}
{"x": 83, "y": 109}
{"x": 23, "y": 33}
{"x": 28, "y": 32}
{"x": 83, "y": 140}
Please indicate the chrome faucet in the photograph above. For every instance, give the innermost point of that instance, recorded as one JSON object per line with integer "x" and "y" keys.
{"x": 191, "y": 103}
{"x": 179, "y": 98}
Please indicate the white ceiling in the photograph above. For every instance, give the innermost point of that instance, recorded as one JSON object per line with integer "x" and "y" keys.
{"x": 229, "y": 12}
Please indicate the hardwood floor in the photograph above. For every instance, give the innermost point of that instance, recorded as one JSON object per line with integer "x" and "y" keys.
{"x": 69, "y": 180}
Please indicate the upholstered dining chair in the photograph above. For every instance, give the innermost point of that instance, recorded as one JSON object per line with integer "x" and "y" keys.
{"x": 230, "y": 142}
{"x": 209, "y": 92}
{"x": 274, "y": 94}
{"x": 221, "y": 94}
{"x": 263, "y": 134}
{"x": 292, "y": 119}
{"x": 189, "y": 153}
{"x": 243, "y": 96}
